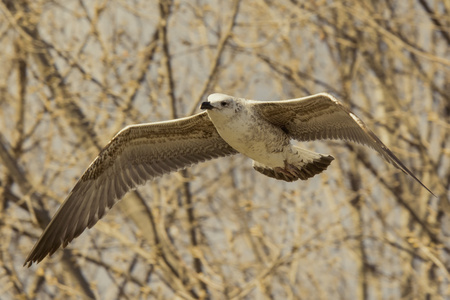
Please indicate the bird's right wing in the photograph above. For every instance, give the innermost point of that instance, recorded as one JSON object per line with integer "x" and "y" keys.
{"x": 135, "y": 155}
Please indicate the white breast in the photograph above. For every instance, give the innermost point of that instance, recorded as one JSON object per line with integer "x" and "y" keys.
{"x": 254, "y": 138}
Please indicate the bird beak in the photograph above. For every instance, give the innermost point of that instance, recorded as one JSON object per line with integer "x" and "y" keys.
{"x": 206, "y": 105}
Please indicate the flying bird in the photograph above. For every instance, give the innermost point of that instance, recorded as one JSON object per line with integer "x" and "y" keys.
{"x": 258, "y": 129}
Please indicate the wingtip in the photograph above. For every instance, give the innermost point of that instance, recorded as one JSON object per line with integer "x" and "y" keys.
{"x": 34, "y": 258}
{"x": 420, "y": 182}
{"x": 27, "y": 263}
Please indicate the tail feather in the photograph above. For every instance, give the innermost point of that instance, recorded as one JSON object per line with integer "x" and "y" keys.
{"x": 302, "y": 164}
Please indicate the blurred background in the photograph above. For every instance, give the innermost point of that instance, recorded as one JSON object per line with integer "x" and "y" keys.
{"x": 73, "y": 73}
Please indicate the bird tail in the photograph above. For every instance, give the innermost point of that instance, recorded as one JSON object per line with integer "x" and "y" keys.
{"x": 300, "y": 164}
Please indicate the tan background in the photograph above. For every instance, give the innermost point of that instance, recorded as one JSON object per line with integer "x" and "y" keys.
{"x": 73, "y": 73}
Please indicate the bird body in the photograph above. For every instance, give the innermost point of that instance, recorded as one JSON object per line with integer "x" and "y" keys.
{"x": 261, "y": 130}
{"x": 250, "y": 135}
{"x": 243, "y": 127}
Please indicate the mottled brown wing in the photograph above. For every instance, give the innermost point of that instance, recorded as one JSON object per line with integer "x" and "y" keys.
{"x": 321, "y": 116}
{"x": 135, "y": 155}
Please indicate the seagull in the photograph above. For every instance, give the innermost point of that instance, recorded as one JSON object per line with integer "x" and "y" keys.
{"x": 261, "y": 130}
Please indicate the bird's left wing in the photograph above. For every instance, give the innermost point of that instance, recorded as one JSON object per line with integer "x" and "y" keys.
{"x": 322, "y": 116}
{"x": 135, "y": 155}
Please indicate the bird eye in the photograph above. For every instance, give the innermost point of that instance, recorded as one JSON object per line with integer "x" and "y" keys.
{"x": 224, "y": 103}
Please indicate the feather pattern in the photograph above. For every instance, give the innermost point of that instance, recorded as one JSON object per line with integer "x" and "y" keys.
{"x": 322, "y": 116}
{"x": 135, "y": 155}
{"x": 259, "y": 130}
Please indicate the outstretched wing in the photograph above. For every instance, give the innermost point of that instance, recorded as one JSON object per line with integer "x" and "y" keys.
{"x": 135, "y": 155}
{"x": 322, "y": 116}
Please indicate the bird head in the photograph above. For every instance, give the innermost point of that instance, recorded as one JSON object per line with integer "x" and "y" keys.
{"x": 222, "y": 104}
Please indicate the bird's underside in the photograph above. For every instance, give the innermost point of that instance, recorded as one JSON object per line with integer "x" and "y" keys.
{"x": 291, "y": 172}
{"x": 142, "y": 152}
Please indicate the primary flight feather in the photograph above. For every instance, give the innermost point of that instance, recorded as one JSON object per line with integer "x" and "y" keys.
{"x": 258, "y": 129}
